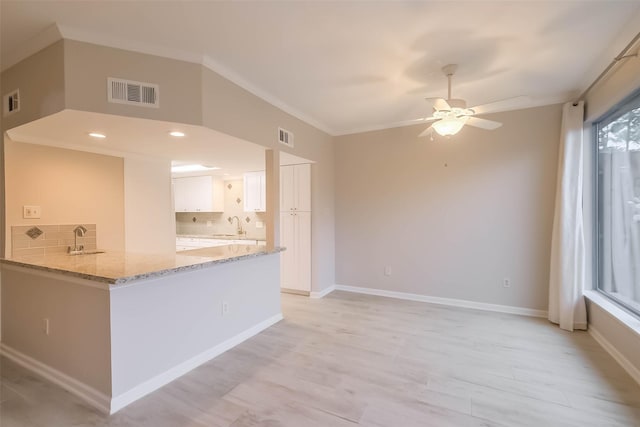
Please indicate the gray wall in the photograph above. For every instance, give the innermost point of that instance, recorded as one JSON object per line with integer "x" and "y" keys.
{"x": 451, "y": 217}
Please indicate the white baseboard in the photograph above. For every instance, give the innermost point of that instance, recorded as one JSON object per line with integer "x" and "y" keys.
{"x": 445, "y": 301}
{"x": 166, "y": 377}
{"x": 623, "y": 361}
{"x": 110, "y": 405}
{"x": 323, "y": 293}
{"x": 87, "y": 393}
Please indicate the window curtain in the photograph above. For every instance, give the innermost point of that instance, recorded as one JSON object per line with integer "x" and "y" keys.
{"x": 566, "y": 302}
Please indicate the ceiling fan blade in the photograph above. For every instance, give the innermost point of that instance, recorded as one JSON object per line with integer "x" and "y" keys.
{"x": 426, "y": 132}
{"x": 502, "y": 105}
{"x": 483, "y": 123}
{"x": 440, "y": 104}
{"x": 421, "y": 119}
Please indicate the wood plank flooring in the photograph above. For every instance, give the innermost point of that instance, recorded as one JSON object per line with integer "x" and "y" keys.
{"x": 357, "y": 360}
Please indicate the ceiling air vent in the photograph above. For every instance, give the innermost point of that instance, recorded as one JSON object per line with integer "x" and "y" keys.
{"x": 285, "y": 137}
{"x": 133, "y": 93}
{"x": 11, "y": 102}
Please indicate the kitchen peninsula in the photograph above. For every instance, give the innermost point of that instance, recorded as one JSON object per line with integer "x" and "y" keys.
{"x": 112, "y": 327}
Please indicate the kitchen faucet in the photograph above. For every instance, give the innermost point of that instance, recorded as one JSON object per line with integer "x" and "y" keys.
{"x": 79, "y": 231}
{"x": 239, "y": 229}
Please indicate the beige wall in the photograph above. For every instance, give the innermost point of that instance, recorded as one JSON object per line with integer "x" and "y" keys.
{"x": 87, "y": 67}
{"x": 72, "y": 187}
{"x": 451, "y": 218}
{"x": 622, "y": 82}
{"x": 40, "y": 79}
{"x": 149, "y": 223}
{"x": 78, "y": 343}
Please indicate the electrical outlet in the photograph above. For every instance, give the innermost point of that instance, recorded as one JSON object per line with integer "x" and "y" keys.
{"x": 259, "y": 224}
{"x": 225, "y": 308}
{"x": 506, "y": 282}
{"x": 387, "y": 270}
{"x": 209, "y": 223}
{"x": 31, "y": 212}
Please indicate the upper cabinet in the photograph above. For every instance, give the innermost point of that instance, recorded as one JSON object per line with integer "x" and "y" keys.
{"x": 255, "y": 198}
{"x": 295, "y": 188}
{"x": 198, "y": 194}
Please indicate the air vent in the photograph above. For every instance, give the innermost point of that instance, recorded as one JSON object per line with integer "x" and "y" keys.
{"x": 285, "y": 137}
{"x": 133, "y": 93}
{"x": 11, "y": 102}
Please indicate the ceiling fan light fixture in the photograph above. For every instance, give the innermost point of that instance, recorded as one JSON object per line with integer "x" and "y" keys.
{"x": 449, "y": 125}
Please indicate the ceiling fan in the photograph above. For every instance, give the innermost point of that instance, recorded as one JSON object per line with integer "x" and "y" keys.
{"x": 451, "y": 115}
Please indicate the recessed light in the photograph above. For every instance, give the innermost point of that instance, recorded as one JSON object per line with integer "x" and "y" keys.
{"x": 176, "y": 134}
{"x": 97, "y": 135}
{"x": 192, "y": 168}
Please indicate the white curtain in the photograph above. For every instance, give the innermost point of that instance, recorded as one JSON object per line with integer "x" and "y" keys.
{"x": 566, "y": 281}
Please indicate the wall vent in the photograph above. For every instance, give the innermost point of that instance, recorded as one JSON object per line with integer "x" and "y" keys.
{"x": 133, "y": 93}
{"x": 285, "y": 137}
{"x": 11, "y": 102}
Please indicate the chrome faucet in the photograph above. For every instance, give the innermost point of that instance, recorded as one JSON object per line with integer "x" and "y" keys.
{"x": 239, "y": 229}
{"x": 79, "y": 231}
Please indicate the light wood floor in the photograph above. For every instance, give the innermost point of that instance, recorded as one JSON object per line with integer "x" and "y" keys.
{"x": 349, "y": 360}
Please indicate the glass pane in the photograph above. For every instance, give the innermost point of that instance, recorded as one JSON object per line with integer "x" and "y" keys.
{"x": 619, "y": 208}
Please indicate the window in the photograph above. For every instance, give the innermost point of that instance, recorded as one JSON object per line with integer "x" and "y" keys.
{"x": 618, "y": 204}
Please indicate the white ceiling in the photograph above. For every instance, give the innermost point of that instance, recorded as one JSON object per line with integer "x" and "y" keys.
{"x": 347, "y": 66}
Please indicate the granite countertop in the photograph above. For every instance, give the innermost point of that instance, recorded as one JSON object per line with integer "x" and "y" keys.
{"x": 115, "y": 268}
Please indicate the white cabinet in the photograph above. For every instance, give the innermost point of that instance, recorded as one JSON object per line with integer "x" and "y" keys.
{"x": 295, "y": 227}
{"x": 295, "y": 188}
{"x": 198, "y": 194}
{"x": 295, "y": 261}
{"x": 255, "y": 199}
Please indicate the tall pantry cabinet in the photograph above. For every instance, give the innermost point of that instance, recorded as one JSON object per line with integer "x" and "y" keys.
{"x": 295, "y": 228}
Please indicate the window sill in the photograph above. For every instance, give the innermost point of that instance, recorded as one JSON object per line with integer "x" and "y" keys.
{"x": 621, "y": 315}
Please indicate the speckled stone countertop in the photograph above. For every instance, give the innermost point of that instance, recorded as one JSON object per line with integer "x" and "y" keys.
{"x": 115, "y": 268}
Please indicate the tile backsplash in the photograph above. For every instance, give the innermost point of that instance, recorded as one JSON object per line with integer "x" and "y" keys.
{"x": 50, "y": 239}
{"x": 209, "y": 223}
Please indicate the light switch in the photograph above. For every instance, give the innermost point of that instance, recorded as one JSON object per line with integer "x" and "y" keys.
{"x": 259, "y": 224}
{"x": 32, "y": 212}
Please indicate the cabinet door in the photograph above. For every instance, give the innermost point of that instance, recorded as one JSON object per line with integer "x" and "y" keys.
{"x": 287, "y": 192}
{"x": 302, "y": 179}
{"x": 288, "y": 270}
{"x": 295, "y": 262}
{"x": 181, "y": 195}
{"x": 254, "y": 192}
{"x": 303, "y": 250}
{"x": 196, "y": 194}
{"x": 200, "y": 196}
{"x": 295, "y": 188}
